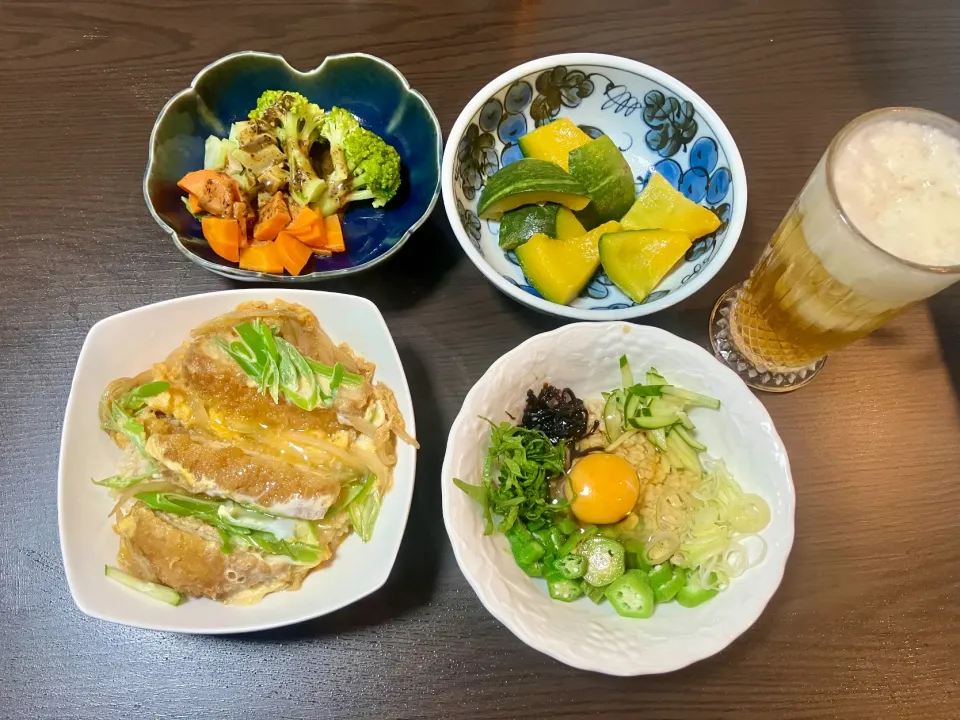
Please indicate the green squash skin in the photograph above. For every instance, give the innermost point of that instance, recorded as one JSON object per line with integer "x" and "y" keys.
{"x": 603, "y": 170}
{"x": 529, "y": 177}
{"x": 518, "y": 226}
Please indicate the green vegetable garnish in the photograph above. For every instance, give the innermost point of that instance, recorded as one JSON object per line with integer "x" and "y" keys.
{"x": 121, "y": 482}
{"x": 154, "y": 590}
{"x": 365, "y": 508}
{"x": 666, "y": 581}
{"x": 572, "y": 567}
{"x": 693, "y": 593}
{"x": 137, "y": 398}
{"x": 527, "y": 463}
{"x": 120, "y": 415}
{"x": 350, "y": 493}
{"x": 605, "y": 560}
{"x": 279, "y": 368}
{"x": 631, "y": 595}
{"x": 562, "y": 588}
{"x": 231, "y": 532}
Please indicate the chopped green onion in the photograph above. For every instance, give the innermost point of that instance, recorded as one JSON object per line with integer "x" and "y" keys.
{"x": 278, "y": 367}
{"x": 350, "y": 493}
{"x": 326, "y": 371}
{"x": 137, "y": 398}
{"x": 121, "y": 482}
{"x": 364, "y": 510}
{"x": 209, "y": 511}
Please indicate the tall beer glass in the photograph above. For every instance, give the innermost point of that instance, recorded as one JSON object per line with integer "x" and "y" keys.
{"x": 875, "y": 229}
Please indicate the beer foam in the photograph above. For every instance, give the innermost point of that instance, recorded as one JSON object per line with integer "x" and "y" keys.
{"x": 899, "y": 184}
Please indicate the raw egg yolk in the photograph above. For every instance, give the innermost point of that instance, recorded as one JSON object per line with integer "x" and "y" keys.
{"x": 604, "y": 488}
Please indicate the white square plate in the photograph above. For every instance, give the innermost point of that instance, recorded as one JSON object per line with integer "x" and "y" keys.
{"x": 126, "y": 344}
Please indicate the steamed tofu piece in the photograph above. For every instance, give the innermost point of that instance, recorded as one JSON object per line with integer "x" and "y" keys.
{"x": 223, "y": 470}
{"x": 184, "y": 554}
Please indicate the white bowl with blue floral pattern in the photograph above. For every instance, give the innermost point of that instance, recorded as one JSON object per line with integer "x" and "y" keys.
{"x": 659, "y": 123}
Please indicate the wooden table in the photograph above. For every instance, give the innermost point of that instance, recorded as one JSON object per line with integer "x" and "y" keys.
{"x": 866, "y": 623}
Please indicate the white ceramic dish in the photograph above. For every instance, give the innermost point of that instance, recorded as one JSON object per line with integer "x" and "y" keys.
{"x": 583, "y": 357}
{"x": 126, "y": 344}
{"x": 659, "y": 123}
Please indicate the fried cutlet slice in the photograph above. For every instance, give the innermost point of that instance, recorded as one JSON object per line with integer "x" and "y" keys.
{"x": 207, "y": 372}
{"x": 221, "y": 469}
{"x": 185, "y": 554}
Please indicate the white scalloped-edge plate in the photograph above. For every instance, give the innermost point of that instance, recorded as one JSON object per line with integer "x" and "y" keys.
{"x": 583, "y": 356}
{"x": 127, "y": 343}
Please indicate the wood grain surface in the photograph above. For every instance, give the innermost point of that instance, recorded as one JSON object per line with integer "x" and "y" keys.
{"x": 866, "y": 623}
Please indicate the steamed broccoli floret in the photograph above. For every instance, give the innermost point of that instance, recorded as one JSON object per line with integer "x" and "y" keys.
{"x": 365, "y": 167}
{"x": 295, "y": 122}
{"x": 288, "y": 100}
{"x": 374, "y": 167}
{"x": 338, "y": 124}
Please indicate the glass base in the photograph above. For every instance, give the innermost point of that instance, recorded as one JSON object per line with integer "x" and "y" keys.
{"x": 754, "y": 375}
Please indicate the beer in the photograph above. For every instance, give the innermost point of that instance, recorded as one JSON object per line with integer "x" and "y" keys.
{"x": 875, "y": 229}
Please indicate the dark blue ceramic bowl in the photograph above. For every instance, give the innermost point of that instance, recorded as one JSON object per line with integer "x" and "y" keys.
{"x": 224, "y": 92}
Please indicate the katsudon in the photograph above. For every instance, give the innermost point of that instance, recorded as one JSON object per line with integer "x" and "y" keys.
{"x": 249, "y": 454}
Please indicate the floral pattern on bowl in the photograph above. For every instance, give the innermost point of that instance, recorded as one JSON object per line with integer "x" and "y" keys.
{"x": 225, "y": 91}
{"x": 659, "y": 124}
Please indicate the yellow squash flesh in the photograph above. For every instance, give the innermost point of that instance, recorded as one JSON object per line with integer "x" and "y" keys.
{"x": 560, "y": 268}
{"x": 662, "y": 207}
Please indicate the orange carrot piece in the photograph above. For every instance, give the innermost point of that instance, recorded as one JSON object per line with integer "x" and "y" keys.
{"x": 216, "y": 191}
{"x": 223, "y": 234}
{"x": 293, "y": 253}
{"x": 313, "y": 235}
{"x": 262, "y": 257}
{"x": 194, "y": 204}
{"x": 274, "y": 217}
{"x": 305, "y": 218}
{"x": 334, "y": 233}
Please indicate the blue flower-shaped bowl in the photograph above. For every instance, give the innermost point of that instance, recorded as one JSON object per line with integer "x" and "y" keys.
{"x": 224, "y": 92}
{"x": 659, "y": 123}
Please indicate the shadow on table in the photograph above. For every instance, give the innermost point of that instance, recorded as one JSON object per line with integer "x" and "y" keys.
{"x": 413, "y": 274}
{"x": 402, "y": 281}
{"x": 688, "y": 319}
{"x": 946, "y": 322}
{"x": 413, "y": 579}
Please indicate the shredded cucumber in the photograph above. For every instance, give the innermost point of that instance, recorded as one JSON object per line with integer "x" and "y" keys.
{"x": 658, "y": 437}
{"x": 691, "y": 441}
{"x": 612, "y": 417}
{"x": 691, "y": 398}
{"x": 653, "y": 421}
{"x": 154, "y": 590}
{"x": 626, "y": 374}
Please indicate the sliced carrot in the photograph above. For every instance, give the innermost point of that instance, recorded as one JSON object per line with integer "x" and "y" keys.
{"x": 216, "y": 191}
{"x": 334, "y": 233}
{"x": 293, "y": 253}
{"x": 262, "y": 257}
{"x": 313, "y": 235}
{"x": 194, "y": 204}
{"x": 274, "y": 217}
{"x": 307, "y": 216}
{"x": 223, "y": 234}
